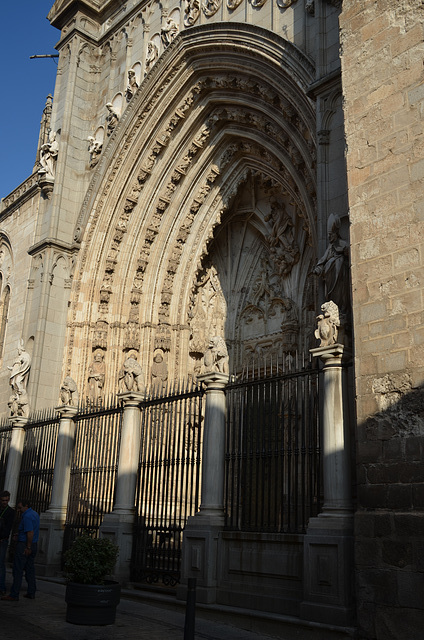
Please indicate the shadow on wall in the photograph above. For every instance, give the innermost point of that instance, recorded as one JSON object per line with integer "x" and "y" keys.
{"x": 389, "y": 522}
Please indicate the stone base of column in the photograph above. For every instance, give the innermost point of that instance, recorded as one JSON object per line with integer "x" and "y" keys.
{"x": 119, "y": 528}
{"x": 200, "y": 557}
{"x": 48, "y": 561}
{"x": 328, "y": 570}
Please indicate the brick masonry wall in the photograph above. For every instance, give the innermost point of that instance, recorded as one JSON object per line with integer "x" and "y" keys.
{"x": 383, "y": 84}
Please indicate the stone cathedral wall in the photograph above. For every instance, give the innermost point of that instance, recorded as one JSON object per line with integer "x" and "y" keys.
{"x": 382, "y": 75}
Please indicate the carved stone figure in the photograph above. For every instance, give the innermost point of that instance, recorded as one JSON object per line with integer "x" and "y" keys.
{"x": 210, "y": 7}
{"x": 328, "y": 324}
{"x": 191, "y": 12}
{"x": 159, "y": 372}
{"x": 169, "y": 31}
{"x": 131, "y": 375}
{"x": 111, "y": 119}
{"x": 333, "y": 266}
{"x": 48, "y": 156}
{"x": 69, "y": 392}
{"x": 283, "y": 247}
{"x": 132, "y": 85}
{"x": 94, "y": 149}
{"x": 19, "y": 405}
{"x": 151, "y": 56}
{"x": 216, "y": 356}
{"x": 96, "y": 376}
{"x": 19, "y": 371}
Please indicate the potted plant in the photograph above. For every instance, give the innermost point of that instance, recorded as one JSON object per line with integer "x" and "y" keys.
{"x": 91, "y": 599}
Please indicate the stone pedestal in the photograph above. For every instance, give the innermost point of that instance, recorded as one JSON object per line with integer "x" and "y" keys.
{"x": 118, "y": 525}
{"x": 328, "y": 545}
{"x": 52, "y": 522}
{"x": 11, "y": 481}
{"x": 200, "y": 544}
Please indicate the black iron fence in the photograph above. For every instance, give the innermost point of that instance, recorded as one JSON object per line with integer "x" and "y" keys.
{"x": 93, "y": 468}
{"x": 273, "y": 463}
{"x": 168, "y": 482}
{"x": 5, "y": 437}
{"x": 38, "y": 457}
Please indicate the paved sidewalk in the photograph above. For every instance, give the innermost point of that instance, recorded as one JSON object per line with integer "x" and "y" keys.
{"x": 44, "y": 618}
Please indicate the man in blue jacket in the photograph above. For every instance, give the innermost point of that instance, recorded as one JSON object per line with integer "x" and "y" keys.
{"x": 7, "y": 516}
{"x": 26, "y": 550}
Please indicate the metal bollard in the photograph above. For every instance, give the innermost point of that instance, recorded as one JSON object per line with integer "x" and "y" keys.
{"x": 190, "y": 610}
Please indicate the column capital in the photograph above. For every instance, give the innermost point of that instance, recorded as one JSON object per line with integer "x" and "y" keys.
{"x": 66, "y": 411}
{"x": 214, "y": 380}
{"x": 131, "y": 398}
{"x": 18, "y": 422}
{"x": 333, "y": 354}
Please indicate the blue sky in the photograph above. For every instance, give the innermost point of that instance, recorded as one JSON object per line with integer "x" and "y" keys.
{"x": 25, "y": 84}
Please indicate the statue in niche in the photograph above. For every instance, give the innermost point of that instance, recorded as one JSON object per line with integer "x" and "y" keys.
{"x": 216, "y": 356}
{"x": 208, "y": 310}
{"x": 19, "y": 371}
{"x": 69, "y": 392}
{"x": 151, "y": 56}
{"x": 48, "y": 156}
{"x": 132, "y": 85}
{"x": 131, "y": 375}
{"x": 159, "y": 372}
{"x": 96, "y": 376}
{"x": 283, "y": 248}
{"x": 169, "y": 31}
{"x": 333, "y": 266}
{"x": 94, "y": 149}
{"x": 111, "y": 119}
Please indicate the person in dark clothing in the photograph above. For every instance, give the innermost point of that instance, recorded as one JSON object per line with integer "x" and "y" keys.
{"x": 7, "y": 516}
{"x": 25, "y": 552}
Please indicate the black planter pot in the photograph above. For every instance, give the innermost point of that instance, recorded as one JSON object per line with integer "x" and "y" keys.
{"x": 92, "y": 604}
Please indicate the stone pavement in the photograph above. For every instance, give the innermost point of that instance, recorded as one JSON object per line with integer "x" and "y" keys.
{"x": 44, "y": 618}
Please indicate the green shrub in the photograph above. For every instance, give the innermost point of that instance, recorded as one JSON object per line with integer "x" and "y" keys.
{"x": 90, "y": 560}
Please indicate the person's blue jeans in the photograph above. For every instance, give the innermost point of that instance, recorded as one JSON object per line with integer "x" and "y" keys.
{"x": 3, "y": 551}
{"x": 23, "y": 563}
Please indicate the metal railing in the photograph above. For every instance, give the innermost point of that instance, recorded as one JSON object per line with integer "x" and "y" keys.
{"x": 168, "y": 482}
{"x": 38, "y": 458}
{"x": 5, "y": 437}
{"x": 93, "y": 468}
{"x": 273, "y": 465}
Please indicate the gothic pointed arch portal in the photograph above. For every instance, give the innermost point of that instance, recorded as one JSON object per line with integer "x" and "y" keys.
{"x": 200, "y": 218}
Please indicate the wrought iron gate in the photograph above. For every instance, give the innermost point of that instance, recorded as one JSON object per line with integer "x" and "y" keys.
{"x": 168, "y": 483}
{"x": 273, "y": 464}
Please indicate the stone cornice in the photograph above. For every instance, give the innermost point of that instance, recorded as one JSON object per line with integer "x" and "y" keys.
{"x": 323, "y": 84}
{"x": 52, "y": 243}
{"x": 18, "y": 196}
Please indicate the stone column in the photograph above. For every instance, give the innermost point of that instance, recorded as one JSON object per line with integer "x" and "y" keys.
{"x": 11, "y": 481}
{"x": 118, "y": 525}
{"x": 52, "y": 522}
{"x": 200, "y": 542}
{"x": 328, "y": 545}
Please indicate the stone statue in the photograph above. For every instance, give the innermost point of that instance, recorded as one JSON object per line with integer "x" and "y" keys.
{"x": 48, "y": 156}
{"x": 131, "y": 375}
{"x": 216, "y": 356}
{"x": 283, "y": 247}
{"x": 96, "y": 376}
{"x": 333, "y": 266}
{"x": 132, "y": 85}
{"x": 152, "y": 55}
{"x": 94, "y": 149}
{"x": 69, "y": 392}
{"x": 169, "y": 31}
{"x": 159, "y": 372}
{"x": 328, "y": 324}
{"x": 19, "y": 371}
{"x": 112, "y": 118}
